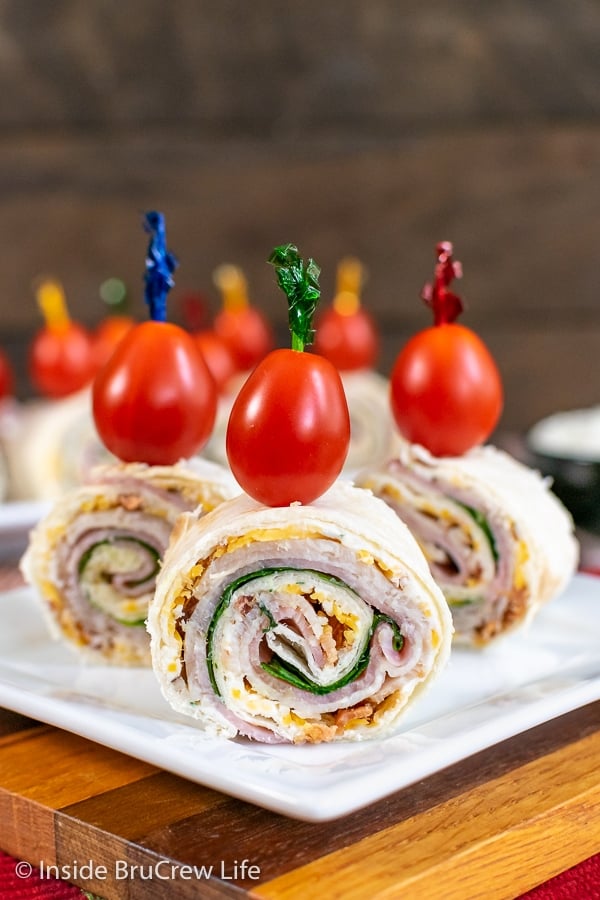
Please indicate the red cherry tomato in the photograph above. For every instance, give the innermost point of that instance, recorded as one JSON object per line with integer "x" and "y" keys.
{"x": 108, "y": 334}
{"x": 244, "y": 328}
{"x": 155, "y": 400}
{"x": 217, "y": 356}
{"x": 6, "y": 377}
{"x": 446, "y": 391}
{"x": 247, "y": 334}
{"x": 289, "y": 429}
{"x": 61, "y": 360}
{"x": 348, "y": 341}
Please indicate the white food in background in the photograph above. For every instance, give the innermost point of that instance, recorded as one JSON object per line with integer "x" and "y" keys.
{"x": 51, "y": 446}
{"x": 574, "y": 434}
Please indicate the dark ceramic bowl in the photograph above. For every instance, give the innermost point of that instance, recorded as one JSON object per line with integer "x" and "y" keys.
{"x": 564, "y": 447}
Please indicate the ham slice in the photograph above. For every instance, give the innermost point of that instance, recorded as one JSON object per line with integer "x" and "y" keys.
{"x": 297, "y": 624}
{"x": 94, "y": 559}
{"x": 498, "y": 542}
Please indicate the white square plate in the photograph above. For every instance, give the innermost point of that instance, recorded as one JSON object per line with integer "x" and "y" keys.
{"x": 482, "y": 698}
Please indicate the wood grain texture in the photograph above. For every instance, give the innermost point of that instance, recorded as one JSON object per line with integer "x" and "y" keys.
{"x": 267, "y": 68}
{"x": 492, "y": 825}
{"x": 374, "y": 129}
{"x": 520, "y": 207}
{"x": 497, "y": 823}
{"x": 66, "y": 761}
{"x": 12, "y": 726}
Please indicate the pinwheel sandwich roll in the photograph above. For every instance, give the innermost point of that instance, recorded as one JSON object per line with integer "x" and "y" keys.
{"x": 498, "y": 542}
{"x": 53, "y": 446}
{"x": 94, "y": 558}
{"x": 372, "y": 436}
{"x": 304, "y": 623}
{"x": 4, "y": 477}
{"x": 10, "y": 413}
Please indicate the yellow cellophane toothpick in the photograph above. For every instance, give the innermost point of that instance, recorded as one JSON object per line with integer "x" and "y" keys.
{"x": 350, "y": 278}
{"x": 233, "y": 286}
{"x": 51, "y": 300}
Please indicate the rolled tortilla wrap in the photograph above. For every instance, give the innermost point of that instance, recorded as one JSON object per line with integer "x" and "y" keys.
{"x": 53, "y": 446}
{"x": 94, "y": 558}
{"x": 372, "y": 437}
{"x": 371, "y": 432}
{"x": 4, "y": 483}
{"x": 498, "y": 542}
{"x": 9, "y": 416}
{"x": 297, "y": 624}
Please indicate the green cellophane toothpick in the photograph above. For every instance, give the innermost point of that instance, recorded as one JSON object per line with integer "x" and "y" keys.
{"x": 300, "y": 283}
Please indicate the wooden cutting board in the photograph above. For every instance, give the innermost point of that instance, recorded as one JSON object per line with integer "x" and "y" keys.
{"x": 491, "y": 826}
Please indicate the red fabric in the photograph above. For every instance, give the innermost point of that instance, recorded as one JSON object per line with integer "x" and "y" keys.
{"x": 582, "y": 882}
{"x": 31, "y": 886}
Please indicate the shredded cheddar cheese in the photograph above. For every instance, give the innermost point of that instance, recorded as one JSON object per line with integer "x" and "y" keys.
{"x": 520, "y": 581}
{"x": 271, "y": 534}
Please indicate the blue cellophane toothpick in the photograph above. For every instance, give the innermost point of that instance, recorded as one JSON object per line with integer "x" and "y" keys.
{"x": 160, "y": 265}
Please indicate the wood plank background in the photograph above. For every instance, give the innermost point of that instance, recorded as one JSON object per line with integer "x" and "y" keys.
{"x": 373, "y": 128}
